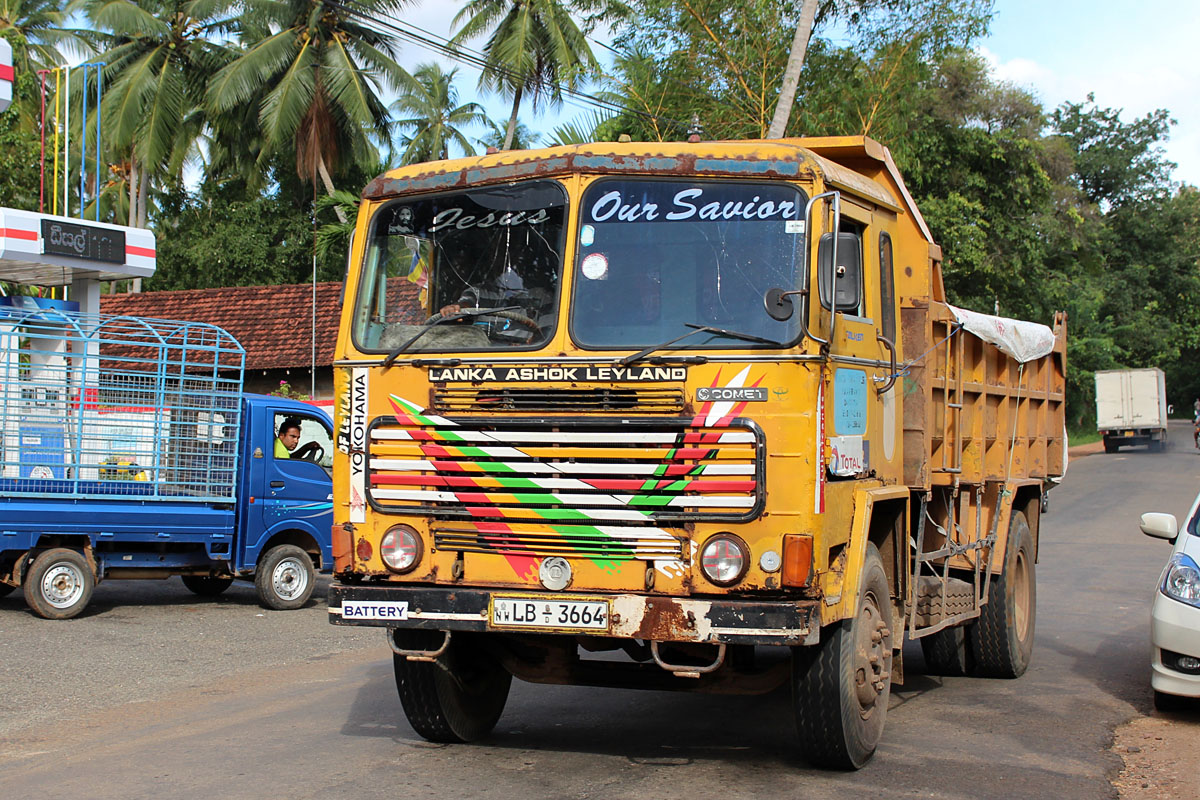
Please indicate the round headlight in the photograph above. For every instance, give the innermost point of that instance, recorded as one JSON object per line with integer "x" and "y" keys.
{"x": 400, "y": 548}
{"x": 724, "y": 559}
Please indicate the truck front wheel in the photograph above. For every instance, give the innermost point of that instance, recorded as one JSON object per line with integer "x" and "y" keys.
{"x": 1002, "y": 637}
{"x": 59, "y": 584}
{"x": 458, "y": 699}
{"x": 285, "y": 578}
{"x": 840, "y": 691}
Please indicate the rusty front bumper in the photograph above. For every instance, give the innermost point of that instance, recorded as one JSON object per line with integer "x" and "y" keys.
{"x": 632, "y": 616}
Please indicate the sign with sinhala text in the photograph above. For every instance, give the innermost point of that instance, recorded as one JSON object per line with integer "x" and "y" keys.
{"x": 89, "y": 242}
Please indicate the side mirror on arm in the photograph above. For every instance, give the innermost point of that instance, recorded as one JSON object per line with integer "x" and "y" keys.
{"x": 1160, "y": 526}
{"x": 846, "y": 278}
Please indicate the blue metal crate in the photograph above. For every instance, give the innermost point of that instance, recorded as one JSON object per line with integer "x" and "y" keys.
{"x": 110, "y": 406}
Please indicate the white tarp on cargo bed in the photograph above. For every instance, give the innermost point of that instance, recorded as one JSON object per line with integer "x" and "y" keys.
{"x": 1022, "y": 340}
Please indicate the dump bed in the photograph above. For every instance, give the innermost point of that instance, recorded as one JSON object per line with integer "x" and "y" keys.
{"x": 114, "y": 408}
{"x": 984, "y": 399}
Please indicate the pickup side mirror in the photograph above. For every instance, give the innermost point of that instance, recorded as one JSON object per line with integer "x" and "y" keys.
{"x": 1160, "y": 526}
{"x": 847, "y": 276}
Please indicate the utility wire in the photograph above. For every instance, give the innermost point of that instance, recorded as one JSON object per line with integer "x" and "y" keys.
{"x": 440, "y": 44}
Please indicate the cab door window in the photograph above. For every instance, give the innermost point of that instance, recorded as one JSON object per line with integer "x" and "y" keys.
{"x": 887, "y": 289}
{"x": 302, "y": 438}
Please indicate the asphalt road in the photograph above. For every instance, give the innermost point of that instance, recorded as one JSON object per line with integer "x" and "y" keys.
{"x": 155, "y": 693}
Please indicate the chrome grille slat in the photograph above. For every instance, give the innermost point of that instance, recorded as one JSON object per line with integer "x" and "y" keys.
{"x": 634, "y": 472}
{"x": 466, "y": 400}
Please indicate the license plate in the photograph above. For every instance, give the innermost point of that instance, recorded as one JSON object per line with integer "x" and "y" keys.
{"x": 549, "y": 614}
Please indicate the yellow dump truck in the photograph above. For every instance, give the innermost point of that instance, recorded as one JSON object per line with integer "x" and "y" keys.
{"x": 704, "y": 405}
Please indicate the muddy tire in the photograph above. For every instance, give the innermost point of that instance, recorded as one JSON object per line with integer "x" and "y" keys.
{"x": 458, "y": 699}
{"x": 840, "y": 687}
{"x": 206, "y": 585}
{"x": 59, "y": 584}
{"x": 285, "y": 578}
{"x": 947, "y": 652}
{"x": 1002, "y": 638}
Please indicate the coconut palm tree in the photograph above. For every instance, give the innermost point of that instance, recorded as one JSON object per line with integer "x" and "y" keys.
{"x": 435, "y": 116}
{"x": 160, "y": 54}
{"x": 314, "y": 70}
{"x": 534, "y": 48}
{"x": 38, "y": 24}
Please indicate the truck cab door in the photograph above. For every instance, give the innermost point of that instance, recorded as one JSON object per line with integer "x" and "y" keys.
{"x": 297, "y": 490}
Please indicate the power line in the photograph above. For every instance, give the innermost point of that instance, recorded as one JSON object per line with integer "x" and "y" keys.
{"x": 440, "y": 44}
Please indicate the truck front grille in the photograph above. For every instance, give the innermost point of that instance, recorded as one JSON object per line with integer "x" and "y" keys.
{"x": 567, "y": 471}
{"x": 639, "y": 400}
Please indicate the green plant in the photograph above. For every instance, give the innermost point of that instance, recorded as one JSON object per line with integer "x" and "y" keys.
{"x": 285, "y": 390}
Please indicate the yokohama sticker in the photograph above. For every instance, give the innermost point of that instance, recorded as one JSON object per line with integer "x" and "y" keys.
{"x": 358, "y": 444}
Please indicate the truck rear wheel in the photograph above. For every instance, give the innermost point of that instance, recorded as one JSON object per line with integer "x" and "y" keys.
{"x": 284, "y": 578}
{"x": 206, "y": 585}
{"x": 947, "y": 652}
{"x": 458, "y": 699}
{"x": 1110, "y": 445}
{"x": 59, "y": 584}
{"x": 840, "y": 692}
{"x": 1002, "y": 638}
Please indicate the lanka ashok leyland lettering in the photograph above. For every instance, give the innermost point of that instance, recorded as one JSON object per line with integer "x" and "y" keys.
{"x": 665, "y": 421}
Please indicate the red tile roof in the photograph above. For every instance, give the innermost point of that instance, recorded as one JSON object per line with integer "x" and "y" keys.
{"x": 273, "y": 323}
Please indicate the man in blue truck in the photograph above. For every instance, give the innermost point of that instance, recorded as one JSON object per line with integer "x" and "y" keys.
{"x": 289, "y": 438}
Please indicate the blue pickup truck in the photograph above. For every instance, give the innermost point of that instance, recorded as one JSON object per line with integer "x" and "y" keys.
{"x": 128, "y": 450}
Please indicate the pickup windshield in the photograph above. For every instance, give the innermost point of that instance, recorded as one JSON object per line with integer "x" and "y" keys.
{"x": 656, "y": 255}
{"x": 497, "y": 247}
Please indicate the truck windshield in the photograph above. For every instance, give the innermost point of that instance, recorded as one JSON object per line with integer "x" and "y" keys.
{"x": 657, "y": 255}
{"x": 496, "y": 248}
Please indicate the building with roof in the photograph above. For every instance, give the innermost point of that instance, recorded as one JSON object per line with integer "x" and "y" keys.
{"x": 284, "y": 339}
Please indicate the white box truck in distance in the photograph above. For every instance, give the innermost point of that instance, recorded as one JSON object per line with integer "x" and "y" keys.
{"x": 1131, "y": 408}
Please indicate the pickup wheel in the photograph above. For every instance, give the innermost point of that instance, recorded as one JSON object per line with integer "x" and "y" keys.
{"x": 59, "y": 584}
{"x": 457, "y": 699}
{"x": 206, "y": 585}
{"x": 840, "y": 691}
{"x": 1002, "y": 638}
{"x": 284, "y": 578}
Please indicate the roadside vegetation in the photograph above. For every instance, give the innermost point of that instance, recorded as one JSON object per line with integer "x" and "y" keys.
{"x": 242, "y": 131}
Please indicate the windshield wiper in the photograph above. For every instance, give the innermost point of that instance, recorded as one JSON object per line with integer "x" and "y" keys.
{"x": 438, "y": 320}
{"x": 746, "y": 337}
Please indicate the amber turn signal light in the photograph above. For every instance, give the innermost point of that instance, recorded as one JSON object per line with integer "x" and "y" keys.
{"x": 797, "y": 559}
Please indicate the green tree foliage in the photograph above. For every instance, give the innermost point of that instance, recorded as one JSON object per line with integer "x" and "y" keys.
{"x": 435, "y": 116}
{"x": 1116, "y": 162}
{"x": 534, "y": 48}
{"x": 36, "y": 30}
{"x": 20, "y": 146}
{"x": 256, "y": 241}
{"x": 314, "y": 71}
{"x": 160, "y": 56}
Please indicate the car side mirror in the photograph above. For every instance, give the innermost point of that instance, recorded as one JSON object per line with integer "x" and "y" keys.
{"x": 846, "y": 291}
{"x": 1160, "y": 526}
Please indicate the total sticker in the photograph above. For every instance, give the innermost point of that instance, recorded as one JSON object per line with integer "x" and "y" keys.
{"x": 595, "y": 267}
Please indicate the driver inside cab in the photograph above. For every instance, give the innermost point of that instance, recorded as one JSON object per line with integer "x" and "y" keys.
{"x": 289, "y": 438}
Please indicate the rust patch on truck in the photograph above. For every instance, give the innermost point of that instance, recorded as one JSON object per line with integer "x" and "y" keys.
{"x": 666, "y": 620}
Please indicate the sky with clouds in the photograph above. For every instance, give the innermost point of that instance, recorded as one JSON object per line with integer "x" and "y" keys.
{"x": 1137, "y": 57}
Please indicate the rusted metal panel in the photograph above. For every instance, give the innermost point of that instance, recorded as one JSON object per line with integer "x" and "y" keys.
{"x": 768, "y": 160}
